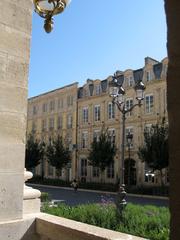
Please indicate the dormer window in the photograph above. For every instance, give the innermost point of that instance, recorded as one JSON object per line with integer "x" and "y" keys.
{"x": 97, "y": 89}
{"x": 148, "y": 76}
{"x": 130, "y": 81}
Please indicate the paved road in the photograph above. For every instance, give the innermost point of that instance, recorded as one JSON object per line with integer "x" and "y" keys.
{"x": 83, "y": 197}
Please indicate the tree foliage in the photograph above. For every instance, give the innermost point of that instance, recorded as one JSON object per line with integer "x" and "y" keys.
{"x": 155, "y": 149}
{"x": 102, "y": 151}
{"x": 57, "y": 154}
{"x": 34, "y": 152}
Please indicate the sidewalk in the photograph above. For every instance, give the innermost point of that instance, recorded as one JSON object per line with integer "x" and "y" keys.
{"x": 99, "y": 191}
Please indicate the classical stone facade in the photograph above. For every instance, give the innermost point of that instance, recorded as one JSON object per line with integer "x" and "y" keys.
{"x": 91, "y": 109}
{"x": 52, "y": 114}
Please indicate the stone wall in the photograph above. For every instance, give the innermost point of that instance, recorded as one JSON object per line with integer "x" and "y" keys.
{"x": 173, "y": 88}
{"x": 15, "y": 34}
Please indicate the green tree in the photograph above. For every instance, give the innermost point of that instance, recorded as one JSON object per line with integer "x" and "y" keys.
{"x": 102, "y": 151}
{"x": 34, "y": 152}
{"x": 155, "y": 149}
{"x": 57, "y": 154}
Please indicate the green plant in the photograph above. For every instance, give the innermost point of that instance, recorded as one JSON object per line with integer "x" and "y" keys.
{"x": 45, "y": 197}
{"x": 57, "y": 153}
{"x": 155, "y": 149}
{"x": 146, "y": 221}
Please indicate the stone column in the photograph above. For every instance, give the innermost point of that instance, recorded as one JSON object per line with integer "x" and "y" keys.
{"x": 173, "y": 102}
{"x": 15, "y": 34}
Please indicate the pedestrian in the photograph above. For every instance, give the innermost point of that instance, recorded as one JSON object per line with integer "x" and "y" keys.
{"x": 74, "y": 184}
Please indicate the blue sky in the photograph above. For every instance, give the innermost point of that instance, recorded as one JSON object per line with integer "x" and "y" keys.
{"x": 94, "y": 38}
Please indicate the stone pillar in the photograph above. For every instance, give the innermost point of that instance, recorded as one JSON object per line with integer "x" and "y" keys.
{"x": 15, "y": 31}
{"x": 173, "y": 100}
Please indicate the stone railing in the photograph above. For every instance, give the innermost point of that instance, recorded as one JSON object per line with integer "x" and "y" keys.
{"x": 31, "y": 196}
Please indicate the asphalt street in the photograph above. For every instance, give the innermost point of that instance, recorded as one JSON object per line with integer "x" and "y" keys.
{"x": 72, "y": 198}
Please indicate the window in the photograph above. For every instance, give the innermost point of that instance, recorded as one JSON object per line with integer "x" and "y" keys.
{"x": 148, "y": 76}
{"x": 86, "y": 93}
{"x": 33, "y": 127}
{"x": 110, "y": 171}
{"x": 84, "y": 167}
{"x": 111, "y": 110}
{"x": 44, "y": 107}
{"x": 97, "y": 112}
{"x": 69, "y": 121}
{"x": 95, "y": 172}
{"x": 59, "y": 122}
{"x": 44, "y": 125}
{"x": 97, "y": 89}
{"x": 149, "y": 175}
{"x": 60, "y": 103}
{"x": 112, "y": 136}
{"x": 84, "y": 139}
{"x": 129, "y": 104}
{"x": 149, "y": 103}
{"x": 96, "y": 135}
{"x": 52, "y": 105}
{"x": 130, "y": 81}
{"x": 51, "y": 123}
{"x": 50, "y": 170}
{"x": 69, "y": 141}
{"x": 127, "y": 131}
{"x": 69, "y": 101}
{"x": 85, "y": 114}
{"x": 148, "y": 128}
{"x": 34, "y": 110}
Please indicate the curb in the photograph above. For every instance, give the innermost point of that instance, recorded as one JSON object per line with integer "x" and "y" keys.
{"x": 98, "y": 191}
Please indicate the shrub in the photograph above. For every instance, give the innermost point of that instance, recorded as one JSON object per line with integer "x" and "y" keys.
{"x": 45, "y": 197}
{"x": 146, "y": 221}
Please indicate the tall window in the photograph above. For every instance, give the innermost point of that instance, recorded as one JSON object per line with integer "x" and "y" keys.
{"x": 69, "y": 121}
{"x": 148, "y": 76}
{"x": 50, "y": 170}
{"x": 44, "y": 107}
{"x": 96, "y": 135}
{"x": 111, "y": 110}
{"x": 85, "y": 115}
{"x": 129, "y": 103}
{"x": 52, "y": 105}
{"x": 60, "y": 103}
{"x": 34, "y": 110}
{"x": 97, "y": 113}
{"x": 33, "y": 127}
{"x": 95, "y": 172}
{"x": 59, "y": 122}
{"x": 130, "y": 81}
{"x": 51, "y": 123}
{"x": 149, "y": 103}
{"x": 84, "y": 139}
{"x": 69, "y": 101}
{"x": 44, "y": 125}
{"x": 112, "y": 136}
{"x": 110, "y": 171}
{"x": 127, "y": 131}
{"x": 83, "y": 167}
{"x": 98, "y": 89}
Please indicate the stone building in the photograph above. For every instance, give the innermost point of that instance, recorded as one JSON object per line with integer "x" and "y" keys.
{"x": 78, "y": 114}
{"x": 51, "y": 114}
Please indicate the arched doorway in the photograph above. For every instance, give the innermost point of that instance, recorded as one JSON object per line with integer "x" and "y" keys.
{"x": 130, "y": 172}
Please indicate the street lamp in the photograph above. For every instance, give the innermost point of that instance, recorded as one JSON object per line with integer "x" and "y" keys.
{"x": 129, "y": 138}
{"x": 117, "y": 92}
{"x": 47, "y": 9}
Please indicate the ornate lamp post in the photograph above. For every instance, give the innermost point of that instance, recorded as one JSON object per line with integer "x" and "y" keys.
{"x": 129, "y": 138}
{"x": 47, "y": 9}
{"x": 117, "y": 93}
